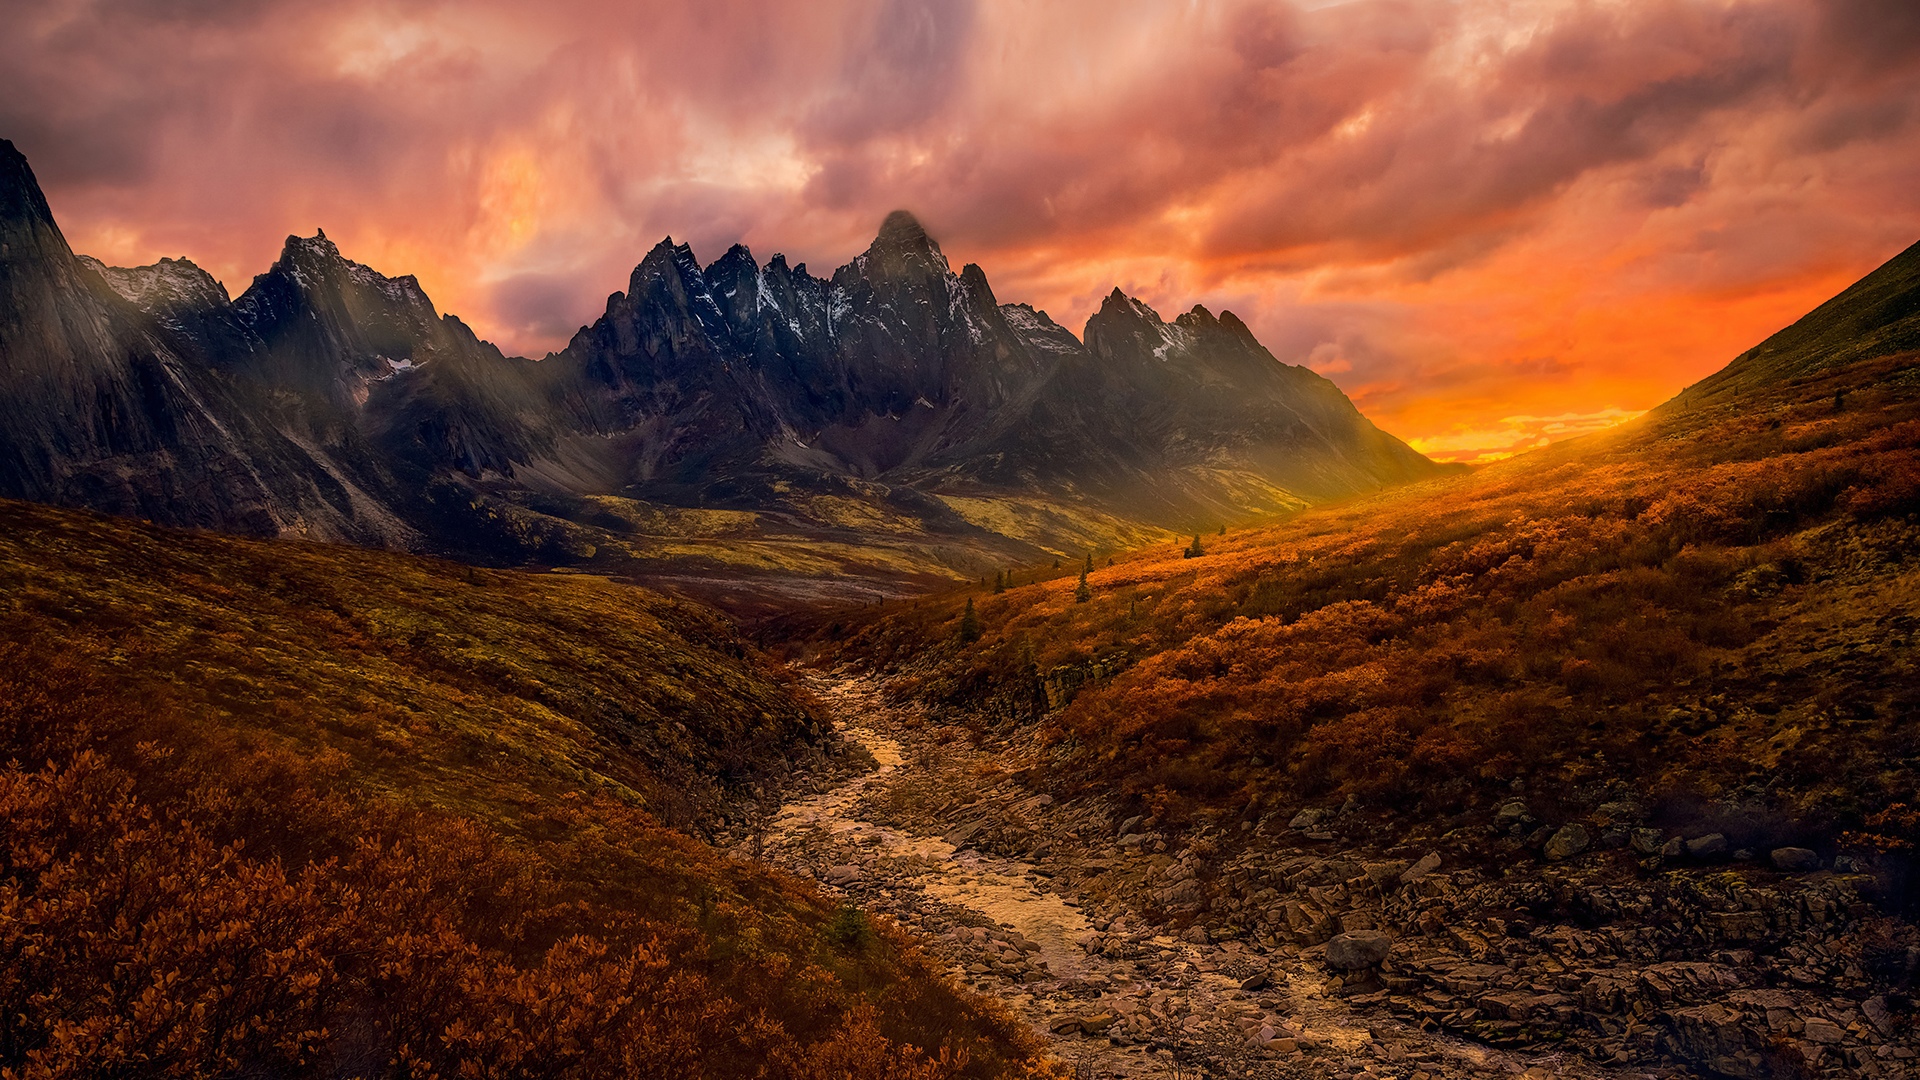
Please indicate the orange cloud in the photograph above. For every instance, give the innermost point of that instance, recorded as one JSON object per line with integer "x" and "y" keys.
{"x": 1472, "y": 216}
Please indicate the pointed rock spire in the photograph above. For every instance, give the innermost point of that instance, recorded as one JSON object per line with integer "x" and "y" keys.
{"x": 903, "y": 230}
{"x": 903, "y": 248}
{"x": 27, "y": 229}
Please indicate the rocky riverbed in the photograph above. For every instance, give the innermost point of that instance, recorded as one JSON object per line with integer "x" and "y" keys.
{"x": 1063, "y": 916}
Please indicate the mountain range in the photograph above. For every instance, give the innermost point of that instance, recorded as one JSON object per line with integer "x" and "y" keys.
{"x": 740, "y": 421}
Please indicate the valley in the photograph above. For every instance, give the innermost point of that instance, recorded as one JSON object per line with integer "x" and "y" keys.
{"x": 812, "y": 677}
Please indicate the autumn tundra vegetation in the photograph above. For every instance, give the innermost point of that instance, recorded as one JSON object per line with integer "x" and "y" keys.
{"x": 303, "y": 810}
{"x": 1716, "y": 600}
{"x": 277, "y": 808}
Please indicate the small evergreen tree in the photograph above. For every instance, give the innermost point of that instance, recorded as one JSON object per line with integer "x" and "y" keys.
{"x": 1083, "y": 592}
{"x": 1194, "y": 550}
{"x": 969, "y": 625}
{"x": 1088, "y": 569}
{"x": 999, "y": 581}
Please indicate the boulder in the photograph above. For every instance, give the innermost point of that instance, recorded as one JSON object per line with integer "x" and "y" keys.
{"x": 1569, "y": 841}
{"x": 1796, "y": 860}
{"x": 1510, "y": 814}
{"x": 1307, "y": 819}
{"x": 1197, "y": 935}
{"x": 1708, "y": 846}
{"x": 842, "y": 875}
{"x": 1096, "y": 1024}
{"x": 1358, "y": 949}
{"x": 1256, "y": 981}
{"x": 1646, "y": 841}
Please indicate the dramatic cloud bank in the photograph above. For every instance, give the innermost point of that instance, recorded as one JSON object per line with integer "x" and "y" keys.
{"x": 1493, "y": 222}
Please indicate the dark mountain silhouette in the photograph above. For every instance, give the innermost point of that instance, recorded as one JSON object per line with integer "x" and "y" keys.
{"x": 891, "y": 420}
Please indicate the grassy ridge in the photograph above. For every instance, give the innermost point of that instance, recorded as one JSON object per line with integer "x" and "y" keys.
{"x": 319, "y": 811}
{"x": 1710, "y": 604}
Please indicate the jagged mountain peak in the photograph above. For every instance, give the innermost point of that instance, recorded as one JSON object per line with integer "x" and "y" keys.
{"x": 27, "y": 229}
{"x": 668, "y": 259}
{"x": 1126, "y": 326}
{"x": 1120, "y": 305}
{"x": 736, "y": 258}
{"x": 20, "y": 195}
{"x": 902, "y": 250}
{"x": 167, "y": 287}
{"x": 975, "y": 279}
{"x": 902, "y": 229}
{"x": 309, "y": 263}
{"x": 315, "y": 248}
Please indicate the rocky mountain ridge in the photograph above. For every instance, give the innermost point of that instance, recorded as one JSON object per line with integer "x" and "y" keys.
{"x": 894, "y": 398}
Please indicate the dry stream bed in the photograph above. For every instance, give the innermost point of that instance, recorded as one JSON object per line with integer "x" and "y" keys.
{"x": 1116, "y": 996}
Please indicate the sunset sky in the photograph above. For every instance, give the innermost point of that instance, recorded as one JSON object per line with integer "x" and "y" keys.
{"x": 1489, "y": 222}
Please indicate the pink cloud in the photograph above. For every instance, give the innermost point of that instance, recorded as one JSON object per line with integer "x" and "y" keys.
{"x": 1463, "y": 212}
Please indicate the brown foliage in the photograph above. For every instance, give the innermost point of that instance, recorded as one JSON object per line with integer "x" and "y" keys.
{"x": 1697, "y": 601}
{"x": 198, "y": 878}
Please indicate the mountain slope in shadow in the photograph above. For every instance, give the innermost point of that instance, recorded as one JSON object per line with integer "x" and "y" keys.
{"x": 733, "y": 422}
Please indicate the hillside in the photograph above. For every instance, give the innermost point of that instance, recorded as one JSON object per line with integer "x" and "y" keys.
{"x": 290, "y": 809}
{"x": 1703, "y": 605}
{"x": 742, "y": 430}
{"x": 1608, "y": 746}
{"x": 1876, "y": 316}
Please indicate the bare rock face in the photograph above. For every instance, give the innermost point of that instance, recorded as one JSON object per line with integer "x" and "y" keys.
{"x": 102, "y": 406}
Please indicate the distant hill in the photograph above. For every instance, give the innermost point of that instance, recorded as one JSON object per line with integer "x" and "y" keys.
{"x": 298, "y": 809}
{"x": 745, "y": 424}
